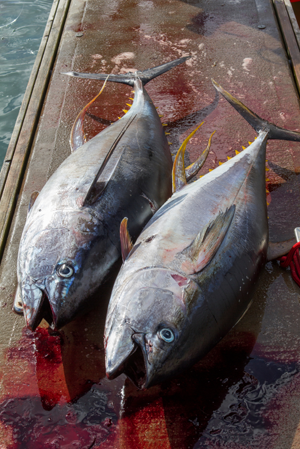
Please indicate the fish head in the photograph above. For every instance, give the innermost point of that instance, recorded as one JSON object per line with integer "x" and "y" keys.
{"x": 146, "y": 334}
{"x": 57, "y": 270}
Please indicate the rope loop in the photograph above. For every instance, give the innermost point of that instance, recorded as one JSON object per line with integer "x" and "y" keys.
{"x": 293, "y": 261}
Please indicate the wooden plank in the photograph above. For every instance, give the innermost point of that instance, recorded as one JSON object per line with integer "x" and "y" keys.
{"x": 293, "y": 20}
{"x": 289, "y": 38}
{"x": 19, "y": 149}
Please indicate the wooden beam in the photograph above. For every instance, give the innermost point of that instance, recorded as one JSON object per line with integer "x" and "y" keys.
{"x": 293, "y": 20}
{"x": 289, "y": 38}
{"x": 18, "y": 151}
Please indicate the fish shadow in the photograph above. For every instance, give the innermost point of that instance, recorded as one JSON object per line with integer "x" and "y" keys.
{"x": 284, "y": 208}
{"x": 81, "y": 349}
{"x": 83, "y": 355}
{"x": 212, "y": 17}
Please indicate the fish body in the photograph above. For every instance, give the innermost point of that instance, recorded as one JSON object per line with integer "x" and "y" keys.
{"x": 70, "y": 241}
{"x": 190, "y": 275}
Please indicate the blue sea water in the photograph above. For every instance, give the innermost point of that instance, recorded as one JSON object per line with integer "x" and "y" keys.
{"x": 22, "y": 24}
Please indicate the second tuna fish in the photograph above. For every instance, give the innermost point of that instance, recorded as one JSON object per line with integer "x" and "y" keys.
{"x": 190, "y": 275}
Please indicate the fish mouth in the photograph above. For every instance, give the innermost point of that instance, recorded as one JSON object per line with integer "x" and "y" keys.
{"x": 128, "y": 357}
{"x": 136, "y": 368}
{"x": 41, "y": 309}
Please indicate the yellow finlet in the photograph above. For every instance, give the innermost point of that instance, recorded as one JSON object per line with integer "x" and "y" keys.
{"x": 210, "y": 169}
{"x": 228, "y": 157}
{"x": 124, "y": 110}
{"x": 167, "y": 134}
{"x": 160, "y": 115}
{"x": 268, "y": 204}
{"x": 170, "y": 143}
{"x": 130, "y": 98}
{"x": 267, "y": 179}
{"x": 119, "y": 118}
{"x": 201, "y": 176}
{"x": 267, "y": 169}
{"x": 164, "y": 124}
{"x": 129, "y": 105}
{"x": 250, "y": 143}
{"x": 221, "y": 163}
{"x": 133, "y": 91}
{"x": 243, "y": 147}
{"x": 237, "y": 152}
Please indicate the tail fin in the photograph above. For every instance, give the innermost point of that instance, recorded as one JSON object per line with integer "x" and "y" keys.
{"x": 128, "y": 78}
{"x": 274, "y": 132}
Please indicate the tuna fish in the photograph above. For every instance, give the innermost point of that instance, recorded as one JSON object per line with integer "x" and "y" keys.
{"x": 191, "y": 273}
{"x": 70, "y": 242}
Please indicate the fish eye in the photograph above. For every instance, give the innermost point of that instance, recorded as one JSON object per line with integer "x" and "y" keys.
{"x": 65, "y": 271}
{"x": 166, "y": 334}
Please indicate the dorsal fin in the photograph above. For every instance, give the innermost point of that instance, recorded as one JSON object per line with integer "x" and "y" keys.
{"x": 126, "y": 243}
{"x": 98, "y": 186}
{"x": 205, "y": 245}
{"x": 178, "y": 172}
{"x": 33, "y": 197}
{"x": 77, "y": 136}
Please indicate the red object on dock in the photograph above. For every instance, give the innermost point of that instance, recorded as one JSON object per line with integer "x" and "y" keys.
{"x": 293, "y": 261}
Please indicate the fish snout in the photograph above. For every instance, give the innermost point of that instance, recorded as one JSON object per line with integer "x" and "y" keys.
{"x": 118, "y": 348}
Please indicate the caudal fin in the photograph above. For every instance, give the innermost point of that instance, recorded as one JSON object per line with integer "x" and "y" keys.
{"x": 274, "y": 132}
{"x": 128, "y": 78}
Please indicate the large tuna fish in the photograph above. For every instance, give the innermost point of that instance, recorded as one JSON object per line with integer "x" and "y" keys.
{"x": 190, "y": 275}
{"x": 70, "y": 241}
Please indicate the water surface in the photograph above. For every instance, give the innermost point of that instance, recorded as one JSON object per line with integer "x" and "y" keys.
{"x": 22, "y": 23}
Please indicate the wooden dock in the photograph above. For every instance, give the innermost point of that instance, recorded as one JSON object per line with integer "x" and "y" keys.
{"x": 246, "y": 392}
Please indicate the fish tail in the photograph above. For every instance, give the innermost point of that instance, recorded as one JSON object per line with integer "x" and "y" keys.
{"x": 257, "y": 123}
{"x": 129, "y": 78}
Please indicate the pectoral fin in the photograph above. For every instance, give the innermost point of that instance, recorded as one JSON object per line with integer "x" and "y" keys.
{"x": 106, "y": 171}
{"x": 206, "y": 244}
{"x": 277, "y": 250}
{"x": 126, "y": 243}
{"x": 33, "y": 197}
{"x": 18, "y": 304}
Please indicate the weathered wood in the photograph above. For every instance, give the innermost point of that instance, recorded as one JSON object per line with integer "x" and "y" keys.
{"x": 289, "y": 37}
{"x": 23, "y": 134}
{"x": 293, "y": 20}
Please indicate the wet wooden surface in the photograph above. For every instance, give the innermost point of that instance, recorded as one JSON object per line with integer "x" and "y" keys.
{"x": 246, "y": 392}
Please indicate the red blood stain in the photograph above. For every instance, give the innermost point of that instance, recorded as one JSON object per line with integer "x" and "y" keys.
{"x": 226, "y": 397}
